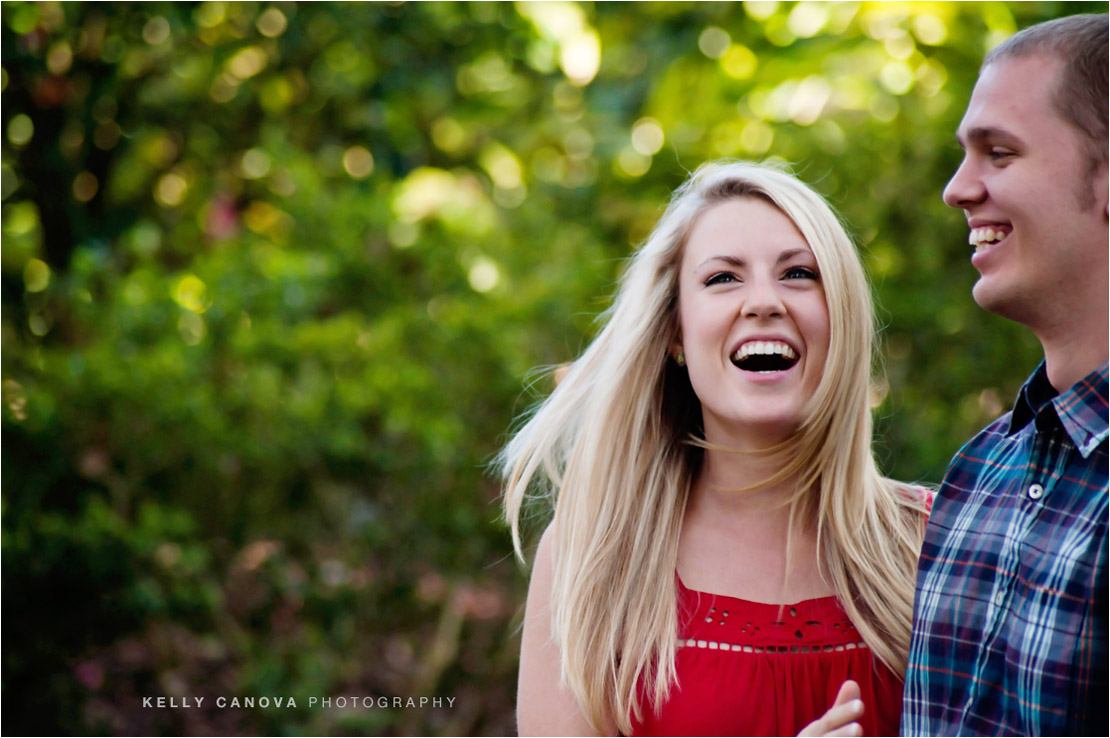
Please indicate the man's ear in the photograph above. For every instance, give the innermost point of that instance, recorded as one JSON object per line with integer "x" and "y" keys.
{"x": 1102, "y": 190}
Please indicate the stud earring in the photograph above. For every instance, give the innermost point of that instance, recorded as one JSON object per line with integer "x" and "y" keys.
{"x": 680, "y": 359}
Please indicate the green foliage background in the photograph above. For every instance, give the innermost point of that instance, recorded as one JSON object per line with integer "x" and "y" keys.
{"x": 275, "y": 276}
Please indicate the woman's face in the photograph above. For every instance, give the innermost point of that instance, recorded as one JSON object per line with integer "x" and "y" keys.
{"x": 754, "y": 326}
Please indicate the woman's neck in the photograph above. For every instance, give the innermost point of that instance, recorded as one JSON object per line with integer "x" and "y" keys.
{"x": 738, "y": 538}
{"x": 743, "y": 482}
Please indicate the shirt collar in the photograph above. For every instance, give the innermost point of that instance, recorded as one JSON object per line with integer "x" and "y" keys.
{"x": 1082, "y": 410}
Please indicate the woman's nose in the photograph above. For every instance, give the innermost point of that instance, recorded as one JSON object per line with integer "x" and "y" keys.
{"x": 763, "y": 299}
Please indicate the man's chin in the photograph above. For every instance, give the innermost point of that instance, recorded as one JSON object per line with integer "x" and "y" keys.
{"x": 982, "y": 294}
{"x": 990, "y": 296}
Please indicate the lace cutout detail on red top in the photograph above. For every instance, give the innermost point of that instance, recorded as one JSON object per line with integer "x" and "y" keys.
{"x": 749, "y": 668}
{"x": 810, "y": 626}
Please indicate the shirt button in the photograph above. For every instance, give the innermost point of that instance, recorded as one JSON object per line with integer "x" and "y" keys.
{"x": 1035, "y": 491}
{"x": 999, "y": 598}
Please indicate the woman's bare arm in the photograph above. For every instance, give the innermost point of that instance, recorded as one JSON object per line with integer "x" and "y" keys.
{"x": 544, "y": 705}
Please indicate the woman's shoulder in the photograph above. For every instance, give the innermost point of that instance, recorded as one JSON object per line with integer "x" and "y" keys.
{"x": 545, "y": 705}
{"x": 916, "y": 494}
{"x": 545, "y": 555}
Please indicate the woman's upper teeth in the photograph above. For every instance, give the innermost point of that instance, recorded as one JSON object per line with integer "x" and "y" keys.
{"x": 764, "y": 347}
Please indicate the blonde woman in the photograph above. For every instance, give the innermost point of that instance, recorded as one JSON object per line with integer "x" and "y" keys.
{"x": 724, "y": 558}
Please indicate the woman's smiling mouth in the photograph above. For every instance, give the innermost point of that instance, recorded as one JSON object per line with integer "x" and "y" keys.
{"x": 764, "y": 357}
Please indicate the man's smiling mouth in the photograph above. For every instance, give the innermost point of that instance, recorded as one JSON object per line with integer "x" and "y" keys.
{"x": 986, "y": 237}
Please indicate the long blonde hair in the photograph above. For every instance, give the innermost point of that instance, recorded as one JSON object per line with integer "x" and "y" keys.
{"x": 615, "y": 447}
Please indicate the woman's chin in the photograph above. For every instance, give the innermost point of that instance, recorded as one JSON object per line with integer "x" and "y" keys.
{"x": 753, "y": 431}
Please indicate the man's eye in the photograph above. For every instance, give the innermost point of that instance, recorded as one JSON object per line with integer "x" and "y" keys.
{"x": 800, "y": 273}
{"x": 720, "y": 278}
{"x": 998, "y": 154}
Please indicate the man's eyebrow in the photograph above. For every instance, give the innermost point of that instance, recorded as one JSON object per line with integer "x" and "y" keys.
{"x": 983, "y": 134}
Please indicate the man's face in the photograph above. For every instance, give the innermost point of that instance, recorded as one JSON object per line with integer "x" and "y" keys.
{"x": 1037, "y": 218}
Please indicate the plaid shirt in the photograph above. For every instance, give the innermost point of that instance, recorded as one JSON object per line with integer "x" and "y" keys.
{"x": 1010, "y": 616}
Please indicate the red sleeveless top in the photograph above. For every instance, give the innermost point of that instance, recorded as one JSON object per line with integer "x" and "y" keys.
{"x": 747, "y": 668}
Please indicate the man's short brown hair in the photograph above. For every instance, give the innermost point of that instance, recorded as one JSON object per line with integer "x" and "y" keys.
{"x": 1080, "y": 42}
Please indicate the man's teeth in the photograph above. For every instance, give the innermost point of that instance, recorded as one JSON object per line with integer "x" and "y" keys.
{"x": 764, "y": 347}
{"x": 985, "y": 237}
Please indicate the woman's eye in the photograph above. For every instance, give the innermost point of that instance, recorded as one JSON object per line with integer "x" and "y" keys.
{"x": 721, "y": 278}
{"x": 800, "y": 273}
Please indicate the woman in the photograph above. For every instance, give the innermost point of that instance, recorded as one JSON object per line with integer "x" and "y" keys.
{"x": 709, "y": 459}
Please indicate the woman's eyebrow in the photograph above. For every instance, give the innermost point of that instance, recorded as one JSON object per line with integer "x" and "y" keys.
{"x": 727, "y": 258}
{"x": 791, "y": 253}
{"x": 739, "y": 263}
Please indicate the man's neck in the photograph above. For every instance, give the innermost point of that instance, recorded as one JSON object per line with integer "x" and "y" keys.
{"x": 1070, "y": 357}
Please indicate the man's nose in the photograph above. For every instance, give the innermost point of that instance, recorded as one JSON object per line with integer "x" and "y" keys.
{"x": 965, "y": 188}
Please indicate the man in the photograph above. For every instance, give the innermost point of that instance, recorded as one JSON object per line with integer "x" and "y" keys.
{"x": 1010, "y": 617}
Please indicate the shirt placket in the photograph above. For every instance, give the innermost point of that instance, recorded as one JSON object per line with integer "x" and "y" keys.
{"x": 1026, "y": 501}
